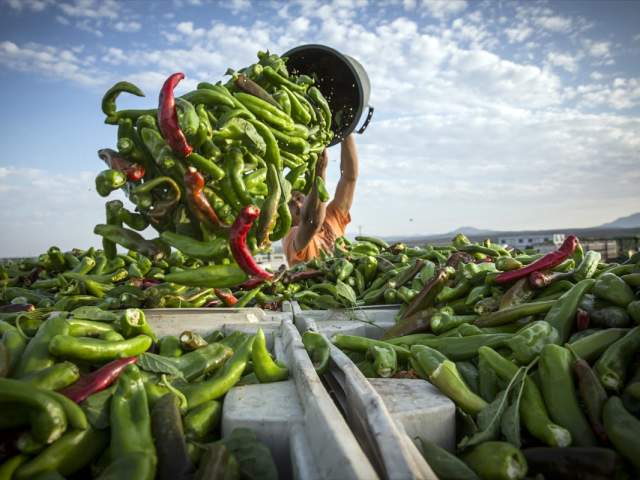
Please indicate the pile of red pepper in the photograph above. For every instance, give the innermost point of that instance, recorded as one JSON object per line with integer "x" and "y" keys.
{"x": 196, "y": 166}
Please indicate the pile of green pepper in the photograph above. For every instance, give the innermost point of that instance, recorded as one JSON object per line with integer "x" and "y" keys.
{"x": 540, "y": 353}
{"x": 192, "y": 165}
{"x": 95, "y": 394}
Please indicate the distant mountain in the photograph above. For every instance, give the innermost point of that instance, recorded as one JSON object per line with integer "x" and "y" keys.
{"x": 630, "y": 221}
{"x": 469, "y": 231}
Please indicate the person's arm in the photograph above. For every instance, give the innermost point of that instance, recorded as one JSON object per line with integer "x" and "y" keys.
{"x": 346, "y": 188}
{"x": 313, "y": 210}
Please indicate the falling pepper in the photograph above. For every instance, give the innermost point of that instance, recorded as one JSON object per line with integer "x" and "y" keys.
{"x": 168, "y": 118}
{"x": 197, "y": 200}
{"x": 238, "y": 242}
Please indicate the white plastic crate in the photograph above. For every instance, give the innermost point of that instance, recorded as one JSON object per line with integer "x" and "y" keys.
{"x": 296, "y": 419}
{"x": 385, "y": 413}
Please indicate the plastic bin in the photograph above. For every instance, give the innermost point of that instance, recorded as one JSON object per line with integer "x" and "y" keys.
{"x": 386, "y": 414}
{"x": 296, "y": 419}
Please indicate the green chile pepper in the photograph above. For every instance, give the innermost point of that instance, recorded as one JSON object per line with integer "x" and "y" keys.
{"x": 109, "y": 99}
{"x": 195, "y": 248}
{"x": 496, "y": 460}
{"x": 265, "y": 368}
{"x": 133, "y": 322}
{"x": 219, "y": 384}
{"x": 514, "y": 313}
{"x": 206, "y": 166}
{"x": 613, "y": 289}
{"x": 592, "y": 346}
{"x": 14, "y": 344}
{"x": 612, "y": 365}
{"x": 49, "y": 420}
{"x": 170, "y": 442}
{"x": 36, "y": 355}
{"x": 532, "y": 408}
{"x": 109, "y": 180}
{"x": 443, "y": 374}
{"x": 212, "y": 276}
{"x": 528, "y": 342}
{"x": 72, "y": 452}
{"x": 623, "y": 430}
{"x": 560, "y": 394}
{"x": 633, "y": 309}
{"x": 200, "y": 421}
{"x": 95, "y": 350}
{"x": 55, "y": 377}
{"x": 362, "y": 344}
{"x": 270, "y": 205}
{"x": 132, "y": 450}
{"x": 562, "y": 314}
{"x": 318, "y": 349}
{"x": 444, "y": 464}
{"x": 384, "y": 359}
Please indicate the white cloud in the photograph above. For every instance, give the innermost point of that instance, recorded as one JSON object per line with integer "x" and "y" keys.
{"x": 599, "y": 49}
{"x": 129, "y": 27}
{"x": 518, "y": 34}
{"x": 31, "y": 195}
{"x": 554, "y": 23}
{"x": 238, "y": 5}
{"x": 91, "y": 9}
{"x": 444, "y": 8}
{"x": 89, "y": 26}
{"x": 48, "y": 61}
{"x": 564, "y": 60}
{"x": 620, "y": 94}
{"x": 32, "y": 5}
{"x": 595, "y": 75}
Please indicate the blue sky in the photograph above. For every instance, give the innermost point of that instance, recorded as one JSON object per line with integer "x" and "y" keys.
{"x": 493, "y": 114}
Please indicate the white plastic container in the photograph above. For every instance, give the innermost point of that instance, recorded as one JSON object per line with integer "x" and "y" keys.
{"x": 296, "y": 419}
{"x": 386, "y": 413}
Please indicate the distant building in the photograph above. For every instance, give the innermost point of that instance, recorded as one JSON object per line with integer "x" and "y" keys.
{"x": 607, "y": 247}
{"x": 541, "y": 242}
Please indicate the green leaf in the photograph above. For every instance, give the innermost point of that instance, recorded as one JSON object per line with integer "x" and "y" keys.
{"x": 150, "y": 362}
{"x": 345, "y": 291}
{"x": 510, "y": 425}
{"x": 97, "y": 406}
{"x": 254, "y": 458}
{"x": 490, "y": 418}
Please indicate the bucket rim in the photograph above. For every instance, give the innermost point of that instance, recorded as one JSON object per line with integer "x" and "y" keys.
{"x": 345, "y": 60}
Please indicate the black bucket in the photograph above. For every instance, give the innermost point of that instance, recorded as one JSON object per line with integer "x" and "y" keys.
{"x": 341, "y": 79}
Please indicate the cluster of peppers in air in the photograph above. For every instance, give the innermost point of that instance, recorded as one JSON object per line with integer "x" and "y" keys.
{"x": 202, "y": 168}
{"x": 82, "y": 393}
{"x": 547, "y": 344}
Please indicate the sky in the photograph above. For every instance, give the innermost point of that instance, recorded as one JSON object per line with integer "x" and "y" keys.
{"x": 492, "y": 114}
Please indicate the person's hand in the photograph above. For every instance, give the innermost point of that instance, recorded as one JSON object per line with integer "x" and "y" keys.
{"x": 321, "y": 165}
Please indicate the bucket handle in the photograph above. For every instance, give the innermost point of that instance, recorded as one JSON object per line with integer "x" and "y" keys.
{"x": 367, "y": 120}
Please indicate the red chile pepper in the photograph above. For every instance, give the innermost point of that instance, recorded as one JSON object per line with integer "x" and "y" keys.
{"x": 150, "y": 282}
{"x": 226, "y": 296}
{"x": 17, "y": 307}
{"x": 168, "y": 118}
{"x": 301, "y": 276}
{"x": 251, "y": 283}
{"x": 212, "y": 304}
{"x": 238, "y": 243}
{"x": 98, "y": 380}
{"x": 194, "y": 181}
{"x": 582, "y": 319}
{"x": 547, "y": 262}
{"x": 133, "y": 171}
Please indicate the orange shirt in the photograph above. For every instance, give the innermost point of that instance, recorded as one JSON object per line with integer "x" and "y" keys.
{"x": 333, "y": 227}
